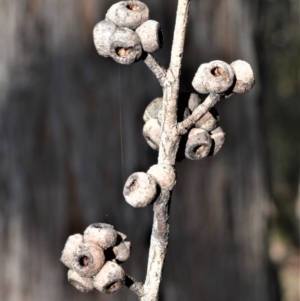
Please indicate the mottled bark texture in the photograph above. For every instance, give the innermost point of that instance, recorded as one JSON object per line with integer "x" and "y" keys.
{"x": 61, "y": 163}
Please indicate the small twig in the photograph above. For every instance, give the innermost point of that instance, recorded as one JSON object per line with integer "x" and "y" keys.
{"x": 159, "y": 71}
{"x": 200, "y": 111}
{"x": 135, "y": 286}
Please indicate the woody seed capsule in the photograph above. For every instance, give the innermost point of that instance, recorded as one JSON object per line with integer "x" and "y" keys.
{"x": 244, "y": 77}
{"x": 88, "y": 260}
{"x": 139, "y": 189}
{"x": 152, "y": 133}
{"x": 130, "y": 14}
{"x": 150, "y": 34}
{"x": 102, "y": 34}
{"x": 164, "y": 175}
{"x": 125, "y": 46}
{"x": 72, "y": 244}
{"x": 209, "y": 121}
{"x": 198, "y": 144}
{"x": 83, "y": 284}
{"x": 153, "y": 109}
{"x": 194, "y": 101}
{"x": 213, "y": 77}
{"x": 122, "y": 251}
{"x": 218, "y": 138}
{"x": 110, "y": 279}
{"x": 101, "y": 234}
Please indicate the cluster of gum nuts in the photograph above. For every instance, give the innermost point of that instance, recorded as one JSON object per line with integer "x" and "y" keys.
{"x": 204, "y": 139}
{"x": 127, "y": 32}
{"x": 94, "y": 259}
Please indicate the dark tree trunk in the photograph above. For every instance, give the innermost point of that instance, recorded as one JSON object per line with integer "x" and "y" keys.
{"x": 70, "y": 135}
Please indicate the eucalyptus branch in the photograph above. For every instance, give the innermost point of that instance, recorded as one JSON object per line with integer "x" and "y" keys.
{"x": 167, "y": 155}
{"x": 127, "y": 35}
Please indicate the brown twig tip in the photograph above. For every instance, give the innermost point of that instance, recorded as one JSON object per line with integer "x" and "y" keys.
{"x": 130, "y": 14}
{"x": 83, "y": 284}
{"x": 125, "y": 46}
{"x": 198, "y": 144}
{"x": 140, "y": 189}
{"x": 110, "y": 279}
{"x": 244, "y": 76}
{"x": 88, "y": 260}
{"x": 151, "y": 36}
{"x": 218, "y": 138}
{"x": 213, "y": 77}
{"x": 102, "y": 234}
{"x": 152, "y": 133}
{"x": 72, "y": 245}
{"x": 164, "y": 175}
{"x": 102, "y": 34}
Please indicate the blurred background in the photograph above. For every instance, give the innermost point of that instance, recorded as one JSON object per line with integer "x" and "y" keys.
{"x": 71, "y": 134}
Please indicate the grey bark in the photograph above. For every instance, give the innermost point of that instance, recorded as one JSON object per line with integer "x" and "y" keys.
{"x": 66, "y": 153}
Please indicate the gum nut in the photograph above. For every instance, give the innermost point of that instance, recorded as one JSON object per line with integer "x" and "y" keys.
{"x": 194, "y": 101}
{"x": 197, "y": 82}
{"x": 122, "y": 251}
{"x": 140, "y": 189}
{"x": 244, "y": 76}
{"x": 72, "y": 244}
{"x": 214, "y": 77}
{"x": 164, "y": 175}
{"x": 83, "y": 284}
{"x": 125, "y": 46}
{"x": 110, "y": 279}
{"x": 218, "y": 138}
{"x": 88, "y": 260}
{"x": 198, "y": 144}
{"x": 102, "y": 234}
{"x": 151, "y": 133}
{"x": 153, "y": 109}
{"x": 130, "y": 14}
{"x": 209, "y": 121}
{"x": 102, "y": 34}
{"x": 186, "y": 113}
{"x": 150, "y": 34}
